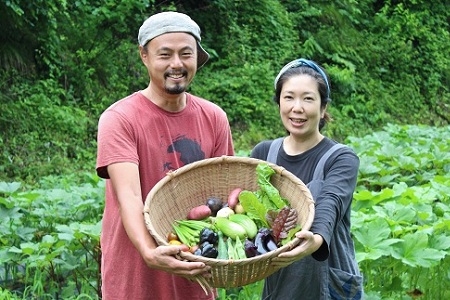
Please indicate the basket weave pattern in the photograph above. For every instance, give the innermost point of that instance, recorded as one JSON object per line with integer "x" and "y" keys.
{"x": 173, "y": 197}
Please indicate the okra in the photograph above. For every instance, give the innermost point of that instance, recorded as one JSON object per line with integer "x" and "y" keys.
{"x": 240, "y": 251}
{"x": 221, "y": 247}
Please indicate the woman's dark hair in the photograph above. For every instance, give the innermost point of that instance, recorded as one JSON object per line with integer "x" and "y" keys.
{"x": 323, "y": 88}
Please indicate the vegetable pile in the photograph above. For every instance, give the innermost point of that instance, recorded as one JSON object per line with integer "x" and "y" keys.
{"x": 246, "y": 224}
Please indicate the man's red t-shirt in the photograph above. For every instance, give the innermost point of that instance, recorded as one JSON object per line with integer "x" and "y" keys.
{"x": 135, "y": 130}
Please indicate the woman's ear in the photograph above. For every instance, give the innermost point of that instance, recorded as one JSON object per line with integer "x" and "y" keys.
{"x": 323, "y": 109}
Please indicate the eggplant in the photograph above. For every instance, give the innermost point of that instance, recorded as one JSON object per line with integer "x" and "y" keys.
{"x": 215, "y": 204}
{"x": 270, "y": 244}
{"x": 208, "y": 250}
{"x": 250, "y": 249}
{"x": 208, "y": 235}
{"x": 264, "y": 241}
{"x": 259, "y": 244}
{"x": 198, "y": 252}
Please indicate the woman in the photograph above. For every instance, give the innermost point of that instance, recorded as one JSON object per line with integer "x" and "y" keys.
{"x": 323, "y": 266}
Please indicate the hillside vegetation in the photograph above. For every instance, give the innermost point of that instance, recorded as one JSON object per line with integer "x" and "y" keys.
{"x": 63, "y": 62}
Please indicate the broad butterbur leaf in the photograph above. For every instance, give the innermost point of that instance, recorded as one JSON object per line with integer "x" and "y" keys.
{"x": 375, "y": 238}
{"x": 415, "y": 251}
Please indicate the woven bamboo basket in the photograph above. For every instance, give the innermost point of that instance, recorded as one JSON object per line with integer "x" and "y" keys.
{"x": 189, "y": 186}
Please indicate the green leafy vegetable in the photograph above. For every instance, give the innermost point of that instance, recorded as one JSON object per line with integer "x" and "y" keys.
{"x": 291, "y": 234}
{"x": 265, "y": 200}
{"x": 253, "y": 207}
{"x": 264, "y": 172}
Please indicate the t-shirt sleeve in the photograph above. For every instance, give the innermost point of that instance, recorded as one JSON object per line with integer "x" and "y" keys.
{"x": 335, "y": 198}
{"x": 115, "y": 142}
{"x": 261, "y": 150}
{"x": 224, "y": 140}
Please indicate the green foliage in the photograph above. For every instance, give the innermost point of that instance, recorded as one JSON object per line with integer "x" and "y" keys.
{"x": 238, "y": 94}
{"x": 246, "y": 138}
{"x": 401, "y": 210}
{"x": 380, "y": 58}
{"x": 82, "y": 56}
{"x": 399, "y": 152}
{"x": 49, "y": 241}
{"x": 407, "y": 62}
{"x": 46, "y": 128}
{"x": 254, "y": 44}
{"x": 50, "y": 111}
{"x": 249, "y": 292}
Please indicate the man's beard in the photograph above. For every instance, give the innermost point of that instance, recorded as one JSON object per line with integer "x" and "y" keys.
{"x": 175, "y": 90}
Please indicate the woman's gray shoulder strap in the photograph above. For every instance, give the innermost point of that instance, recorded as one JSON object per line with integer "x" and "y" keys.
{"x": 318, "y": 172}
{"x": 273, "y": 150}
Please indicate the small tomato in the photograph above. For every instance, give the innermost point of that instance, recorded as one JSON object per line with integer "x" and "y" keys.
{"x": 172, "y": 237}
{"x": 174, "y": 242}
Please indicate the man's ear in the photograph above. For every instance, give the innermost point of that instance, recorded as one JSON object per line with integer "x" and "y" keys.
{"x": 143, "y": 53}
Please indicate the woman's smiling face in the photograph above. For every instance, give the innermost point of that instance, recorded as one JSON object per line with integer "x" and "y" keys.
{"x": 300, "y": 108}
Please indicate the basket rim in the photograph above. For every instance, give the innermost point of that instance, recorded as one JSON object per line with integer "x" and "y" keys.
{"x": 223, "y": 262}
{"x": 171, "y": 175}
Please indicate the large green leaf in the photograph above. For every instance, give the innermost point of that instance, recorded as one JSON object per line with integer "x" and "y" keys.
{"x": 9, "y": 187}
{"x": 415, "y": 251}
{"x": 374, "y": 236}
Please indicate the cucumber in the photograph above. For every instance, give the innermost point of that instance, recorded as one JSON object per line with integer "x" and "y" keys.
{"x": 230, "y": 229}
{"x": 245, "y": 221}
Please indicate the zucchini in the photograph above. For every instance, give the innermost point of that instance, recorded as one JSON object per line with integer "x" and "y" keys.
{"x": 230, "y": 229}
{"x": 245, "y": 221}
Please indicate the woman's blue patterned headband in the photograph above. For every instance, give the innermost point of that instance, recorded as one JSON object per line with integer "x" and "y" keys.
{"x": 304, "y": 62}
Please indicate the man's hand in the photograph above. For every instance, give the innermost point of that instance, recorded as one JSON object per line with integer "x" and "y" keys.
{"x": 126, "y": 183}
{"x": 164, "y": 258}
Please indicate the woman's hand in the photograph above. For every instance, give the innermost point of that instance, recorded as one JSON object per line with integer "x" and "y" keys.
{"x": 309, "y": 244}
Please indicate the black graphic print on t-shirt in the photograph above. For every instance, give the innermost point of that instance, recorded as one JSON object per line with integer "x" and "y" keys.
{"x": 188, "y": 151}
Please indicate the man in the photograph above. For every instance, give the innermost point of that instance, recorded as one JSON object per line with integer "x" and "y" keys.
{"x": 141, "y": 138}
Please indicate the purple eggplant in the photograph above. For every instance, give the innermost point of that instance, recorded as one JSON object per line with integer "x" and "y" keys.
{"x": 208, "y": 235}
{"x": 215, "y": 204}
{"x": 208, "y": 250}
{"x": 264, "y": 241}
{"x": 270, "y": 244}
{"x": 250, "y": 248}
{"x": 259, "y": 243}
